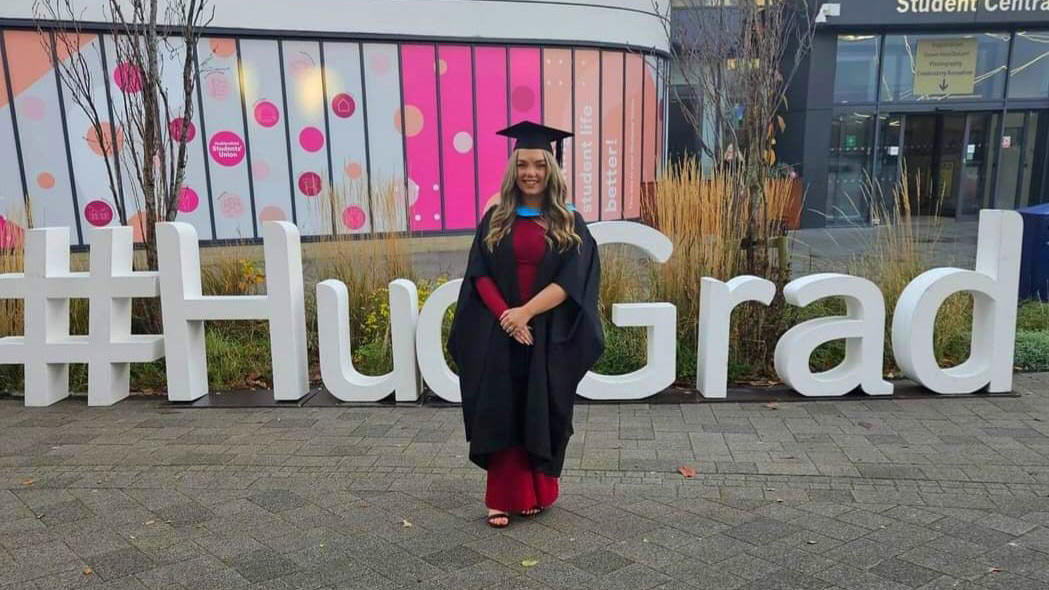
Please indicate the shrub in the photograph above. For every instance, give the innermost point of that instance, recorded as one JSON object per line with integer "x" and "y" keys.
{"x": 1032, "y": 351}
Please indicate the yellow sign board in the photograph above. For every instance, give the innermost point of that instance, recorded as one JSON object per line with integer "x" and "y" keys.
{"x": 945, "y": 66}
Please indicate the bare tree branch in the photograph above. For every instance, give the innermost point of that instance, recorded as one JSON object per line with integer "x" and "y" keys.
{"x": 153, "y": 153}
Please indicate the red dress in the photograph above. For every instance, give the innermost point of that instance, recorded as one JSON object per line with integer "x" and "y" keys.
{"x": 513, "y": 485}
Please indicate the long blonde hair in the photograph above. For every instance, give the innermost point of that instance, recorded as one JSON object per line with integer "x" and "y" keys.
{"x": 560, "y": 231}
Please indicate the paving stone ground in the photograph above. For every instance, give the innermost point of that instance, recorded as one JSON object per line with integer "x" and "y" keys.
{"x": 929, "y": 494}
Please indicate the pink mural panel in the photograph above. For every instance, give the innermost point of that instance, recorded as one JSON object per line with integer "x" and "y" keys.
{"x": 661, "y": 107}
{"x": 648, "y": 163}
{"x": 557, "y": 101}
{"x": 632, "y": 138}
{"x": 490, "y": 80}
{"x": 455, "y": 68}
{"x": 587, "y": 151}
{"x": 611, "y": 135}
{"x": 419, "y": 79}
{"x": 525, "y": 100}
{"x": 440, "y": 133}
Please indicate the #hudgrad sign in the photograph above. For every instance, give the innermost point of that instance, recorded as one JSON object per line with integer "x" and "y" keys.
{"x": 47, "y": 349}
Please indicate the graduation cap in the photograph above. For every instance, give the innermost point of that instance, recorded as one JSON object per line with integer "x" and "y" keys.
{"x": 533, "y": 136}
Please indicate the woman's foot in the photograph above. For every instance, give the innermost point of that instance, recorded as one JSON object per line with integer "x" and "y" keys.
{"x": 497, "y": 519}
{"x": 532, "y": 511}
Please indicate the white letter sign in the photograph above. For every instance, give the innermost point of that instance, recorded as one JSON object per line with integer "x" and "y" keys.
{"x": 862, "y": 328}
{"x": 716, "y": 302}
{"x": 658, "y": 319}
{"x": 185, "y": 309}
{"x": 47, "y": 348}
{"x": 994, "y": 287}
{"x": 337, "y": 371}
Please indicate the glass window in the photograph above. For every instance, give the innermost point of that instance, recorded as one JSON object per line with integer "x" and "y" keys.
{"x": 856, "y": 69}
{"x": 848, "y": 180}
{"x": 938, "y": 67}
{"x": 1029, "y": 72}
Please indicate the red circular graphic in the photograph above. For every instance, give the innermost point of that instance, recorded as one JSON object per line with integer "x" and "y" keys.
{"x": 188, "y": 200}
{"x": 232, "y": 205}
{"x": 128, "y": 77}
{"x": 179, "y": 124}
{"x": 343, "y": 105}
{"x": 98, "y": 213}
{"x": 266, "y": 113}
{"x": 310, "y": 184}
{"x": 311, "y": 139}
{"x": 353, "y": 217}
{"x": 226, "y": 148}
{"x": 218, "y": 85}
{"x": 523, "y": 98}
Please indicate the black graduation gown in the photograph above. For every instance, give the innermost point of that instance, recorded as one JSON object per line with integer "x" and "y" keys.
{"x": 499, "y": 411}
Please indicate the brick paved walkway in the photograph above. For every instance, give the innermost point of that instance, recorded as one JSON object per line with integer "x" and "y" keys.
{"x": 890, "y": 495}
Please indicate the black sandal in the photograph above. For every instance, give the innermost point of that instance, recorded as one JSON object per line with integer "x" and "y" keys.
{"x": 538, "y": 510}
{"x": 492, "y": 518}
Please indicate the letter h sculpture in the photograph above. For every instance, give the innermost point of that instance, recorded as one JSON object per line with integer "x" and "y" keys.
{"x": 186, "y": 308}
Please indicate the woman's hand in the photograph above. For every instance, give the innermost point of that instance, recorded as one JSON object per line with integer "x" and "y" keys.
{"x": 524, "y": 336}
{"x": 515, "y": 319}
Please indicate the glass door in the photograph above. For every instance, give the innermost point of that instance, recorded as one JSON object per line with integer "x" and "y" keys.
{"x": 977, "y": 172}
{"x": 848, "y": 180}
{"x": 949, "y": 163}
{"x": 887, "y": 164}
{"x": 918, "y": 163}
{"x": 1022, "y": 160}
{"x": 946, "y": 160}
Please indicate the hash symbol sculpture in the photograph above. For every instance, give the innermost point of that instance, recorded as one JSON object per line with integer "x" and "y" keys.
{"x": 47, "y": 349}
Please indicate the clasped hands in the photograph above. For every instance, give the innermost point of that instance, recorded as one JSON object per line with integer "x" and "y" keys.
{"x": 514, "y": 322}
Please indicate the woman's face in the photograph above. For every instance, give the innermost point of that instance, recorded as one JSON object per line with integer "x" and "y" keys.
{"x": 531, "y": 172}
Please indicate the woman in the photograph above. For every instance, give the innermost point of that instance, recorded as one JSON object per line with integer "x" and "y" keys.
{"x": 526, "y": 328}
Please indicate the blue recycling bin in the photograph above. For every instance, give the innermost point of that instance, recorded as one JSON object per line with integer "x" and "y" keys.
{"x": 1034, "y": 260}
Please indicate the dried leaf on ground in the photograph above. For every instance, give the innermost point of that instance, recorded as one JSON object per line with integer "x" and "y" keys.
{"x": 406, "y": 524}
{"x": 686, "y": 471}
{"x": 88, "y": 571}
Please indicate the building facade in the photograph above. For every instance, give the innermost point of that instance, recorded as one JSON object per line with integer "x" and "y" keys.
{"x": 946, "y": 99}
{"x": 346, "y": 116}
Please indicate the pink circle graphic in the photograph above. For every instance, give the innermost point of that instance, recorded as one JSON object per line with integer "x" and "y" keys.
{"x": 353, "y": 217}
{"x": 300, "y": 64}
{"x": 353, "y": 170}
{"x": 179, "y": 124}
{"x": 523, "y": 98}
{"x": 267, "y": 114}
{"x": 379, "y": 63}
{"x": 260, "y": 170}
{"x": 45, "y": 180}
{"x": 310, "y": 184}
{"x": 413, "y": 191}
{"x": 188, "y": 200}
{"x": 11, "y": 233}
{"x": 218, "y": 85}
{"x": 128, "y": 77}
{"x": 232, "y": 205}
{"x": 311, "y": 139}
{"x": 272, "y": 213}
{"x": 463, "y": 142}
{"x": 413, "y": 120}
{"x": 34, "y": 108}
{"x": 343, "y": 105}
{"x": 98, "y": 213}
{"x": 226, "y": 148}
